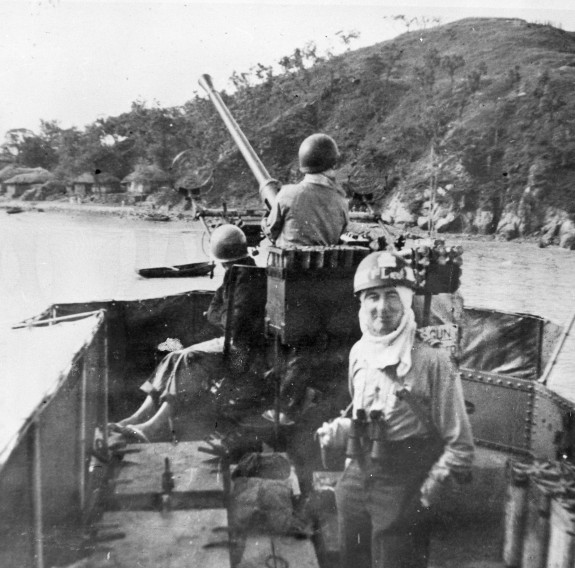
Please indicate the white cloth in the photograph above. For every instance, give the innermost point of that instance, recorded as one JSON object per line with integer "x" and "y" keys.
{"x": 334, "y": 434}
{"x": 384, "y": 351}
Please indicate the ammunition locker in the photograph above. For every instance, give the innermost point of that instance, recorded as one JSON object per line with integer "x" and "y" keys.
{"x": 301, "y": 305}
{"x": 310, "y": 291}
{"x": 441, "y": 279}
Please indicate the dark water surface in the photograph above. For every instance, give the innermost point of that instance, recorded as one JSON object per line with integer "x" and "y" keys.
{"x": 54, "y": 257}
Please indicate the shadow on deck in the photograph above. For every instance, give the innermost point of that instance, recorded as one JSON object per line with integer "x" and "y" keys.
{"x": 470, "y": 528}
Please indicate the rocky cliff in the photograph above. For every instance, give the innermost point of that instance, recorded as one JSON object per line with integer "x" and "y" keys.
{"x": 469, "y": 127}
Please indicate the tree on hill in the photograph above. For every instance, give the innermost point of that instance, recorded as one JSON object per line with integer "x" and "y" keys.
{"x": 29, "y": 150}
{"x": 426, "y": 73}
{"x": 451, "y": 63}
{"x": 390, "y": 107}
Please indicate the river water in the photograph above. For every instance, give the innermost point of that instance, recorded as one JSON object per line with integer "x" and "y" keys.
{"x": 67, "y": 257}
{"x": 55, "y": 257}
{"x": 49, "y": 257}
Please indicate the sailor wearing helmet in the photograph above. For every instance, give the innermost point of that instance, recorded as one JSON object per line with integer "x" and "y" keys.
{"x": 315, "y": 210}
{"x": 409, "y": 434}
{"x": 185, "y": 373}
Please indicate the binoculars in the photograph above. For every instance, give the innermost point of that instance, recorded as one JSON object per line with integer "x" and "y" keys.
{"x": 366, "y": 437}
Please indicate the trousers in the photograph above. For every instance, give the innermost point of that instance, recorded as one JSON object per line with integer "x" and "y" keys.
{"x": 382, "y": 522}
{"x": 183, "y": 374}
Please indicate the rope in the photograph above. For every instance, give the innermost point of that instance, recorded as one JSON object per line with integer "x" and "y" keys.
{"x": 275, "y": 560}
{"x": 35, "y": 322}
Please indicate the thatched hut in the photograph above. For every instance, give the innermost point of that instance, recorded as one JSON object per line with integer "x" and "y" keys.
{"x": 83, "y": 185}
{"x": 50, "y": 190}
{"x": 17, "y": 185}
{"x": 107, "y": 183}
{"x": 10, "y": 171}
{"x": 96, "y": 184}
{"x": 145, "y": 180}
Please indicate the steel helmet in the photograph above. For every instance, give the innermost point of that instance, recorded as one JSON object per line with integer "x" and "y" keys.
{"x": 318, "y": 153}
{"x": 383, "y": 269}
{"x": 228, "y": 243}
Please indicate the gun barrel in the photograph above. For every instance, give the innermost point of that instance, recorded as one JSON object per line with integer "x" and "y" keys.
{"x": 267, "y": 191}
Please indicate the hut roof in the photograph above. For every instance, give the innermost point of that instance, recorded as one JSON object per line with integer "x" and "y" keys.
{"x": 105, "y": 177}
{"x": 37, "y": 175}
{"x": 11, "y": 170}
{"x": 84, "y": 178}
{"x": 102, "y": 177}
{"x": 147, "y": 173}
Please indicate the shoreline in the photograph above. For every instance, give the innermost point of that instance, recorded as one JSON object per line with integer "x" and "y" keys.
{"x": 143, "y": 212}
{"x": 127, "y": 211}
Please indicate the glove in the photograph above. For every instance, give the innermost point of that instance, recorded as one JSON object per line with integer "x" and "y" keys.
{"x": 264, "y": 225}
{"x": 170, "y": 345}
{"x": 334, "y": 434}
{"x": 268, "y": 190}
{"x": 434, "y": 488}
{"x": 271, "y": 184}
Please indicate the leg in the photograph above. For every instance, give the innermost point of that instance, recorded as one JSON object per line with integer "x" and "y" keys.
{"x": 407, "y": 550}
{"x": 143, "y": 413}
{"x": 354, "y": 520}
{"x": 178, "y": 379}
{"x": 400, "y": 522}
{"x": 156, "y": 427}
{"x": 295, "y": 378}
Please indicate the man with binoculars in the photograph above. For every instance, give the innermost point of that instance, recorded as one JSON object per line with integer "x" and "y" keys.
{"x": 409, "y": 433}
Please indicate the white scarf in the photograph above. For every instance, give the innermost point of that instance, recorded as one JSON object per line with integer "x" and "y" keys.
{"x": 380, "y": 351}
{"x": 326, "y": 178}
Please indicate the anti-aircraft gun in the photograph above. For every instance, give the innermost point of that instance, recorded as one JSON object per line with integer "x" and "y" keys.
{"x": 295, "y": 311}
{"x": 310, "y": 300}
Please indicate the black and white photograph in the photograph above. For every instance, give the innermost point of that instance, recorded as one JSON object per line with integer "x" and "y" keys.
{"x": 287, "y": 284}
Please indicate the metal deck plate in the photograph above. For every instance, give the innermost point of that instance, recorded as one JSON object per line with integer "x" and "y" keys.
{"x": 198, "y": 480}
{"x": 268, "y": 550}
{"x": 150, "y": 539}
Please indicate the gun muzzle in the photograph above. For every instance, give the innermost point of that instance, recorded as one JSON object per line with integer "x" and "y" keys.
{"x": 268, "y": 186}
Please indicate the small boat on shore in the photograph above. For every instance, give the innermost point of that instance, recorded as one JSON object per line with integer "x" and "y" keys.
{"x": 15, "y": 209}
{"x": 178, "y": 271}
{"x": 157, "y": 217}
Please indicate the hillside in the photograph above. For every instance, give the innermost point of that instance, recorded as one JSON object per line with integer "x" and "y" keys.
{"x": 474, "y": 119}
{"x": 470, "y": 124}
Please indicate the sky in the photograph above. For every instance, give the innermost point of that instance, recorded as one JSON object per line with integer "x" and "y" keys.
{"x": 74, "y": 61}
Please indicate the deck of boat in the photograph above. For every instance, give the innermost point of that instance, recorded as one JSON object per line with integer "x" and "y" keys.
{"x": 468, "y": 529}
{"x": 134, "y": 529}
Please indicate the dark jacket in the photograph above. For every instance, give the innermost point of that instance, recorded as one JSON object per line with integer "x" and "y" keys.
{"x": 248, "y": 309}
{"x": 312, "y": 212}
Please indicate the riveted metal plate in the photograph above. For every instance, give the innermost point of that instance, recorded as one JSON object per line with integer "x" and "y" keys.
{"x": 552, "y": 424}
{"x": 501, "y": 409}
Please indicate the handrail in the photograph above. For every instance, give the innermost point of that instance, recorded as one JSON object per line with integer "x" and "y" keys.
{"x": 37, "y": 322}
{"x": 558, "y": 348}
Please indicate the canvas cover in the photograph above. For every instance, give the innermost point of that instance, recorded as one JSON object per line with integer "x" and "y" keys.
{"x": 34, "y": 362}
{"x": 513, "y": 344}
